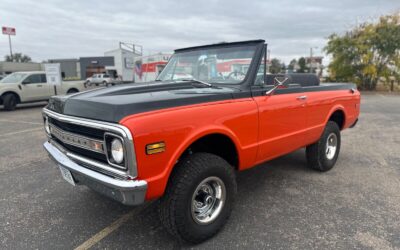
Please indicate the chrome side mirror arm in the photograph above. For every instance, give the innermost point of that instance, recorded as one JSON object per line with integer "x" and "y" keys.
{"x": 280, "y": 83}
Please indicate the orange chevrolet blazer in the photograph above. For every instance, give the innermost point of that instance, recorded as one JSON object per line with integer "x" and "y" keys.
{"x": 214, "y": 110}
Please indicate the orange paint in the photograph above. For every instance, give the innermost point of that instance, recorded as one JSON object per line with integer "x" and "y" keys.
{"x": 261, "y": 128}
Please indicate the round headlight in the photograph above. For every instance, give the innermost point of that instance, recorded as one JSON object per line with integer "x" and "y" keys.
{"x": 47, "y": 126}
{"x": 117, "y": 151}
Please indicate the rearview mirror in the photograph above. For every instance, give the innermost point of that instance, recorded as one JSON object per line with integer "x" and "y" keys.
{"x": 278, "y": 84}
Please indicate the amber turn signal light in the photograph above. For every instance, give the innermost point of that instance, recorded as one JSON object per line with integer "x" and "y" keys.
{"x": 155, "y": 148}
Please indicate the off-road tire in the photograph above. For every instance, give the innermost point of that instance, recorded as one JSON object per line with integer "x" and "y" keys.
{"x": 316, "y": 153}
{"x": 175, "y": 206}
{"x": 9, "y": 102}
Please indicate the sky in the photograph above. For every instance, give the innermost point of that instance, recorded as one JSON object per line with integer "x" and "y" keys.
{"x": 72, "y": 29}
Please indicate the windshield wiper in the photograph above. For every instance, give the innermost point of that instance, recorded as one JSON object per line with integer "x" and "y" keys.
{"x": 196, "y": 81}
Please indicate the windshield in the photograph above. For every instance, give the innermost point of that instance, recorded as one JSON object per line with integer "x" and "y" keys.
{"x": 13, "y": 78}
{"x": 212, "y": 65}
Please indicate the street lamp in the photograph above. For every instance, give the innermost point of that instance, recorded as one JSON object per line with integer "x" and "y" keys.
{"x": 311, "y": 58}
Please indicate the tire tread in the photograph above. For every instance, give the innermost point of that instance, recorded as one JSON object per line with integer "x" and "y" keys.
{"x": 170, "y": 209}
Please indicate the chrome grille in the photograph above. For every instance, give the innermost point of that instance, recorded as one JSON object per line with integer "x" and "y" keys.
{"x": 84, "y": 139}
{"x": 77, "y": 140}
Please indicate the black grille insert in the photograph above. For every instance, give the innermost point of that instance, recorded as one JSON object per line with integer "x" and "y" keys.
{"x": 78, "y": 129}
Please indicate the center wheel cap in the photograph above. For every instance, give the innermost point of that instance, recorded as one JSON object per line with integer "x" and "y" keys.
{"x": 208, "y": 200}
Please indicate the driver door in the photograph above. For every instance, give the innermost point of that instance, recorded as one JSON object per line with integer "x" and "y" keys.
{"x": 282, "y": 114}
{"x": 34, "y": 89}
{"x": 282, "y": 121}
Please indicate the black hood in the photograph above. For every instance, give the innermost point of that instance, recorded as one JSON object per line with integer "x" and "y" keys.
{"x": 114, "y": 103}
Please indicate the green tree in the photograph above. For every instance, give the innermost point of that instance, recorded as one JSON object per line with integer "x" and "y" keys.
{"x": 292, "y": 65}
{"x": 283, "y": 67}
{"x": 276, "y": 66}
{"x": 366, "y": 53}
{"x": 17, "y": 57}
{"x": 302, "y": 65}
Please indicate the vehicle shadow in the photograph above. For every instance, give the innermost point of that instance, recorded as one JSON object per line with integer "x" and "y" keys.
{"x": 145, "y": 229}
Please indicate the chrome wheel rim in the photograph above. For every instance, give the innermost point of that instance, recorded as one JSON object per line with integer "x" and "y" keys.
{"x": 331, "y": 146}
{"x": 208, "y": 200}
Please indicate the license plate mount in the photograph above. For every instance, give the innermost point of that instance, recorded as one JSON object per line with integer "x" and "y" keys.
{"x": 66, "y": 174}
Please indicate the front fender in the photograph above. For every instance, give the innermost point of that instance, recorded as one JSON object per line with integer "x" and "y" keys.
{"x": 179, "y": 128}
{"x": 193, "y": 137}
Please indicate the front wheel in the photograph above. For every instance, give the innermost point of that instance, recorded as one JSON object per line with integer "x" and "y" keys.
{"x": 323, "y": 154}
{"x": 9, "y": 102}
{"x": 199, "y": 197}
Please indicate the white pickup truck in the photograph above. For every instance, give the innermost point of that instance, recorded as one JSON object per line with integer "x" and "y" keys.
{"x": 32, "y": 86}
{"x": 101, "y": 79}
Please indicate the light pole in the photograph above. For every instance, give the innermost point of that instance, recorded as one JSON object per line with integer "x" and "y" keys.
{"x": 9, "y": 41}
{"x": 312, "y": 59}
{"x": 10, "y": 31}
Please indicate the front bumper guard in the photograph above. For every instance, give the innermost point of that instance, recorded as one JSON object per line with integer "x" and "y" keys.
{"x": 128, "y": 192}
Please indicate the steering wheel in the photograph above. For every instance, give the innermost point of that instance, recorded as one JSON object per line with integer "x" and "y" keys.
{"x": 236, "y": 75}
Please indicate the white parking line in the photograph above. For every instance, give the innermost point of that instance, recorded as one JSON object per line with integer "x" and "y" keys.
{"x": 111, "y": 228}
{"x": 22, "y": 131}
{"x": 13, "y": 121}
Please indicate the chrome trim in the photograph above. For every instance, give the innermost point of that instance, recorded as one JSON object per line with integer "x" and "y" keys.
{"x": 331, "y": 146}
{"x": 303, "y": 97}
{"x": 208, "y": 200}
{"x": 95, "y": 165}
{"x": 129, "y": 192}
{"x": 77, "y": 140}
{"x": 106, "y": 150}
{"x": 107, "y": 127}
{"x": 280, "y": 83}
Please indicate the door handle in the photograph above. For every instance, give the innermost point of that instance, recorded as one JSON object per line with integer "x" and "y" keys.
{"x": 303, "y": 97}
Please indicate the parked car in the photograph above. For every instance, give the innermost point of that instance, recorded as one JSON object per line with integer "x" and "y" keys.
{"x": 182, "y": 140}
{"x": 100, "y": 79}
{"x": 32, "y": 86}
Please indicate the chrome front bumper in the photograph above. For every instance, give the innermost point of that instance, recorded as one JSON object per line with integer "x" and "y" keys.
{"x": 128, "y": 192}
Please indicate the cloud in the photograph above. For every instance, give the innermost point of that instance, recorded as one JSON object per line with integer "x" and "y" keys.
{"x": 70, "y": 29}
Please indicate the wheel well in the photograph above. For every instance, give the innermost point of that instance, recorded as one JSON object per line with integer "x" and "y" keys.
{"x": 10, "y": 92}
{"x": 338, "y": 117}
{"x": 217, "y": 144}
{"x": 72, "y": 90}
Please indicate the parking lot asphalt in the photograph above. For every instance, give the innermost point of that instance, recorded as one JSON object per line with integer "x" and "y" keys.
{"x": 280, "y": 204}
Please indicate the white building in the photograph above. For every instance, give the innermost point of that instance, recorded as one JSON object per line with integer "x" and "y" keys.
{"x": 10, "y": 67}
{"x": 124, "y": 58}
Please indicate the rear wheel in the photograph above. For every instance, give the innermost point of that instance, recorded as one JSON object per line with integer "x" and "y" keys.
{"x": 323, "y": 154}
{"x": 9, "y": 101}
{"x": 199, "y": 197}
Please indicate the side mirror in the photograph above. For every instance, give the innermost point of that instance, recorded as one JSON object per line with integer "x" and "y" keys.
{"x": 26, "y": 82}
{"x": 277, "y": 85}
